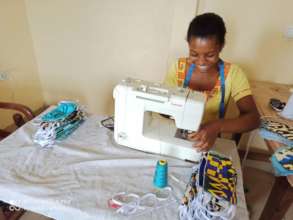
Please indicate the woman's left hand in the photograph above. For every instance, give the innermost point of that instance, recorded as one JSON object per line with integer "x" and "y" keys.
{"x": 206, "y": 136}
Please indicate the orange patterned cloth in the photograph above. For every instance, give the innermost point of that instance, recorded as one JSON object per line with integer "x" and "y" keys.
{"x": 236, "y": 86}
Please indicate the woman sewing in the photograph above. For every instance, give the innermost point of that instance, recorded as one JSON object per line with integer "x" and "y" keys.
{"x": 204, "y": 71}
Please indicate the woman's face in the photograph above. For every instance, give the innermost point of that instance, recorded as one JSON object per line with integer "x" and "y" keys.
{"x": 204, "y": 53}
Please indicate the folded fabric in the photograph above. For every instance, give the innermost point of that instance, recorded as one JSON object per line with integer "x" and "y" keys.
{"x": 220, "y": 177}
{"x": 276, "y": 131}
{"x": 282, "y": 161}
{"x": 211, "y": 192}
{"x": 63, "y": 110}
{"x": 59, "y": 123}
{"x": 63, "y": 132}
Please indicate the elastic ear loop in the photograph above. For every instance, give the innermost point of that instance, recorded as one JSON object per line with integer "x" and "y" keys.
{"x": 164, "y": 193}
{"x": 121, "y": 198}
{"x": 156, "y": 199}
{"x": 231, "y": 210}
{"x": 127, "y": 207}
{"x": 225, "y": 214}
{"x": 149, "y": 200}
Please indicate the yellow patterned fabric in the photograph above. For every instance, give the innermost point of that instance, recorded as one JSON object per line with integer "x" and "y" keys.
{"x": 279, "y": 128}
{"x": 285, "y": 157}
{"x": 220, "y": 178}
{"x": 236, "y": 86}
{"x": 211, "y": 191}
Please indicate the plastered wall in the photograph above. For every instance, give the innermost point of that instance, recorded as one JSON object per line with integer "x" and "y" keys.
{"x": 84, "y": 48}
{"x": 76, "y": 49}
{"x": 255, "y": 36}
{"x": 17, "y": 60}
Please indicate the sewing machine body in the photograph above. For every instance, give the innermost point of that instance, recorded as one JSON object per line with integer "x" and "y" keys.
{"x": 137, "y": 124}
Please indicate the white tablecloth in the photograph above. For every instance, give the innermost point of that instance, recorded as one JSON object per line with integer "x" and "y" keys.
{"x": 75, "y": 178}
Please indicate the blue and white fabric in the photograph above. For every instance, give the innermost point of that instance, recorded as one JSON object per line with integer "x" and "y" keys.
{"x": 276, "y": 131}
{"x": 282, "y": 161}
{"x": 59, "y": 123}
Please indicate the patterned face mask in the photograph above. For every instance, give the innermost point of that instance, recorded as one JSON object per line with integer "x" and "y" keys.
{"x": 62, "y": 111}
{"x": 59, "y": 123}
{"x": 276, "y": 131}
{"x": 220, "y": 178}
{"x": 282, "y": 161}
{"x": 211, "y": 192}
{"x": 285, "y": 157}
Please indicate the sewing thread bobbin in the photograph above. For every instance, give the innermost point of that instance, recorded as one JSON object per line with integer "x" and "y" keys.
{"x": 161, "y": 174}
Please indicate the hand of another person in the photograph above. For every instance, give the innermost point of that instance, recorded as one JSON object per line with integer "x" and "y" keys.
{"x": 206, "y": 136}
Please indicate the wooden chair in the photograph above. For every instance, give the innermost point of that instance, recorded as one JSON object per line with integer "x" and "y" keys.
{"x": 23, "y": 114}
{"x": 9, "y": 212}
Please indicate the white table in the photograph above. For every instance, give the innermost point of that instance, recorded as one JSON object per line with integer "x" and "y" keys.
{"x": 75, "y": 178}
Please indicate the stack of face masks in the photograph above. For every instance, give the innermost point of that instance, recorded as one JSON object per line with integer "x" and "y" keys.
{"x": 276, "y": 131}
{"x": 282, "y": 161}
{"x": 59, "y": 123}
{"x": 211, "y": 192}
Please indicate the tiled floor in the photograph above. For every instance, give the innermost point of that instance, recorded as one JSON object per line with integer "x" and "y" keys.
{"x": 258, "y": 182}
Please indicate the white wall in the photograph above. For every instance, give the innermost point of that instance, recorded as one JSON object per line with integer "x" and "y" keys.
{"x": 84, "y": 47}
{"x": 17, "y": 60}
{"x": 255, "y": 37}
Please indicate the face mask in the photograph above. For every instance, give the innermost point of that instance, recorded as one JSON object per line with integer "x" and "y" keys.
{"x": 282, "y": 161}
{"x": 211, "y": 192}
{"x": 276, "y": 131}
{"x": 63, "y": 110}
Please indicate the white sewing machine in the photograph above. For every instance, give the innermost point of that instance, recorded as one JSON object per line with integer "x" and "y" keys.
{"x": 138, "y": 126}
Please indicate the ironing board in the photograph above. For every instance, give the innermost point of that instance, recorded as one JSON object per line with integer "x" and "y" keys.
{"x": 75, "y": 178}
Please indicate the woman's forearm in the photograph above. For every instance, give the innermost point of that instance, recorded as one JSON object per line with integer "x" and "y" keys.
{"x": 243, "y": 123}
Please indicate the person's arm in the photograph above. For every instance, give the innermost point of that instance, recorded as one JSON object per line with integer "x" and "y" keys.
{"x": 248, "y": 119}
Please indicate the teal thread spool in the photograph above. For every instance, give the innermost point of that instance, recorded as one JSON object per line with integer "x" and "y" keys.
{"x": 161, "y": 174}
